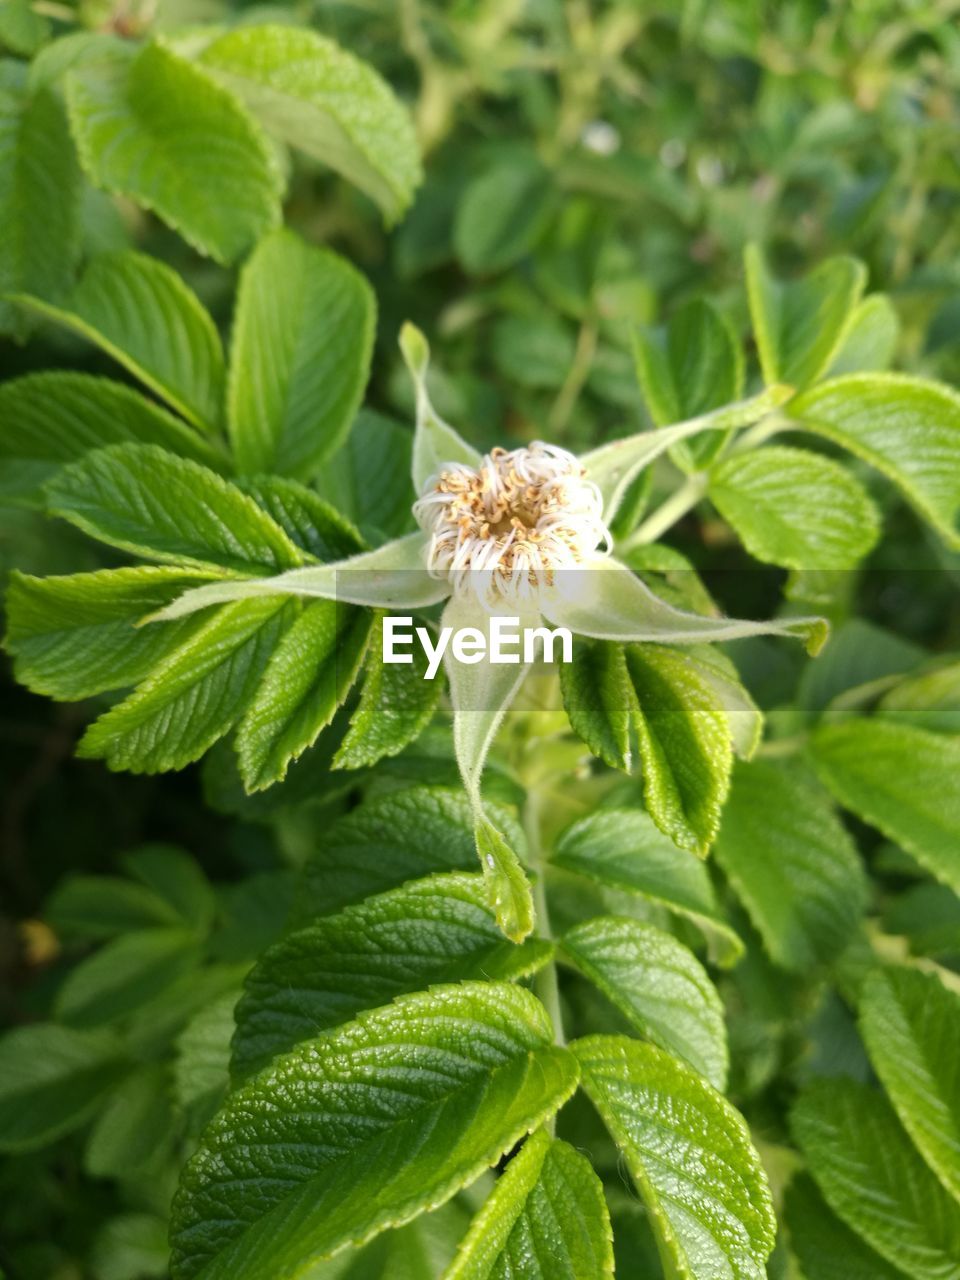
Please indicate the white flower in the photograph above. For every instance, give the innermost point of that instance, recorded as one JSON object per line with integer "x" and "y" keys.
{"x": 504, "y": 528}
{"x": 522, "y": 532}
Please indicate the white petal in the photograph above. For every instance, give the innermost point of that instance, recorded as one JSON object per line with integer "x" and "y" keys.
{"x": 607, "y": 601}
{"x": 435, "y": 441}
{"x": 614, "y": 465}
{"x": 391, "y": 577}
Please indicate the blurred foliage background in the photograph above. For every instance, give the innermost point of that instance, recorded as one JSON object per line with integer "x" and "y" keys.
{"x": 588, "y": 166}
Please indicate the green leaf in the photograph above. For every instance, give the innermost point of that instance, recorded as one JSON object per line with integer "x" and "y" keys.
{"x": 441, "y": 1084}
{"x": 435, "y": 442}
{"x": 22, "y": 29}
{"x": 871, "y": 340}
{"x": 438, "y": 929}
{"x": 800, "y": 326}
{"x": 659, "y": 986}
{"x": 860, "y": 653}
{"x": 315, "y": 96}
{"x": 140, "y": 312}
{"x": 142, "y": 499}
{"x": 908, "y": 428}
{"x": 826, "y": 1248}
{"x": 546, "y": 1216}
{"x": 300, "y": 357}
{"x": 39, "y": 200}
{"x": 795, "y": 508}
{"x": 100, "y": 907}
{"x": 49, "y": 419}
{"x": 156, "y": 129}
{"x": 136, "y": 1128}
{"x": 307, "y": 520}
{"x": 306, "y": 678}
{"x": 534, "y": 350}
{"x": 792, "y": 863}
{"x": 928, "y": 700}
{"x": 685, "y": 744}
{"x": 76, "y": 636}
{"x": 52, "y": 1079}
{"x": 508, "y": 889}
{"x": 369, "y": 476}
{"x": 396, "y": 703}
{"x": 178, "y": 880}
{"x": 692, "y": 367}
{"x": 901, "y": 780}
{"x": 911, "y": 1026}
{"x": 201, "y": 1075}
{"x": 623, "y": 850}
{"x": 388, "y": 840}
{"x": 502, "y": 215}
{"x": 875, "y": 1181}
{"x": 116, "y": 980}
{"x": 195, "y": 695}
{"x": 599, "y": 700}
{"x": 689, "y": 1153}
{"x": 130, "y": 1246}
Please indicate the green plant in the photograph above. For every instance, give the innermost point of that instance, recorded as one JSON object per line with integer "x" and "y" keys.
{"x": 331, "y": 1056}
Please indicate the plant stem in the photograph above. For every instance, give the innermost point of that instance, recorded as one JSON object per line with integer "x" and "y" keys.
{"x": 577, "y": 375}
{"x": 667, "y": 515}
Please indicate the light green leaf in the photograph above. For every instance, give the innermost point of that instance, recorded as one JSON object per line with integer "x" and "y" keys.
{"x": 194, "y": 696}
{"x": 800, "y": 325}
{"x": 874, "y": 1180}
{"x": 392, "y": 576}
{"x": 901, "y": 780}
{"x": 795, "y": 508}
{"x": 39, "y": 200}
{"x": 546, "y": 1216}
{"x": 689, "y": 1153}
{"x": 439, "y": 929}
{"x": 481, "y": 692}
{"x": 76, "y": 636}
{"x": 622, "y": 849}
{"x": 826, "y": 1248}
{"x": 142, "y": 499}
{"x": 911, "y": 1026}
{"x": 306, "y": 678}
{"x": 136, "y": 1128}
{"x": 396, "y": 703}
{"x": 315, "y": 96}
{"x": 684, "y": 742}
{"x": 388, "y": 840}
{"x": 435, "y": 442}
{"x": 130, "y": 1246}
{"x": 607, "y": 601}
{"x": 502, "y": 214}
{"x": 792, "y": 863}
{"x": 52, "y": 1079}
{"x": 22, "y": 29}
{"x": 49, "y": 419}
{"x": 599, "y": 700}
{"x": 116, "y": 980}
{"x": 692, "y": 367}
{"x": 139, "y": 311}
{"x": 928, "y": 700}
{"x": 613, "y": 467}
{"x": 300, "y": 356}
{"x": 658, "y": 984}
{"x": 871, "y": 339}
{"x": 908, "y": 428}
{"x": 442, "y": 1083}
{"x": 156, "y": 129}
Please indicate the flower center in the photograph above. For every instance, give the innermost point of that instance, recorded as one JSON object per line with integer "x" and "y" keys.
{"x": 508, "y": 525}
